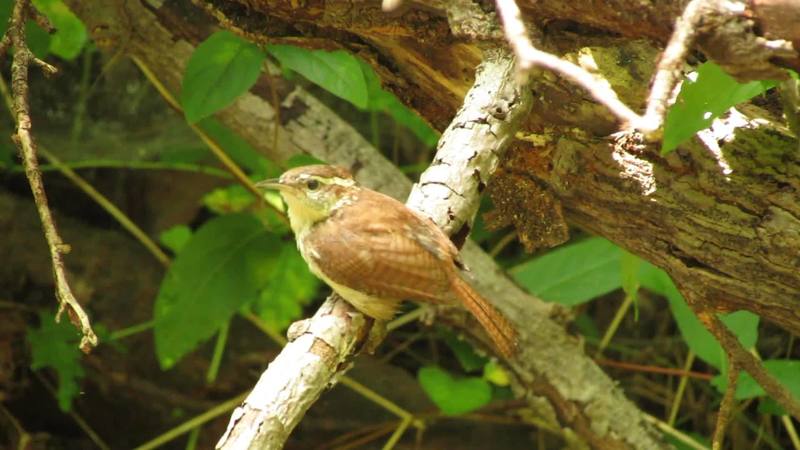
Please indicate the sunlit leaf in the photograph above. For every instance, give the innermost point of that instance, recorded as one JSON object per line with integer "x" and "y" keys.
{"x": 338, "y": 72}
{"x": 710, "y": 95}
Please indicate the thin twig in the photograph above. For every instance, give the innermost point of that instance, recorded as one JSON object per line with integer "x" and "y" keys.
{"x": 19, "y": 87}
{"x": 724, "y": 415}
{"x": 666, "y": 79}
{"x": 746, "y": 361}
{"x": 668, "y": 73}
{"x": 529, "y": 57}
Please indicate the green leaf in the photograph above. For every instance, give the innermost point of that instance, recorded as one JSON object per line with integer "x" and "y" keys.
{"x": 464, "y": 352}
{"x": 229, "y": 199}
{"x": 222, "y": 67}
{"x": 454, "y": 396}
{"x": 70, "y": 36}
{"x": 337, "y": 72}
{"x": 496, "y": 374}
{"x": 573, "y": 274}
{"x": 701, "y": 101}
{"x": 55, "y": 345}
{"x": 741, "y": 323}
{"x": 176, "y": 237}
{"x": 290, "y": 286}
{"x": 786, "y": 371}
{"x": 37, "y": 39}
{"x": 381, "y": 100}
{"x": 223, "y": 266}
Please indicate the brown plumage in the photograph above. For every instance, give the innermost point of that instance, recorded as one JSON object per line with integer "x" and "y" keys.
{"x": 375, "y": 252}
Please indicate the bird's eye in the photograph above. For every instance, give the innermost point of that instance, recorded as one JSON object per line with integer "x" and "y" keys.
{"x": 312, "y": 185}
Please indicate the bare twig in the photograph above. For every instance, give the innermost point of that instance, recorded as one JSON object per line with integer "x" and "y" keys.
{"x": 724, "y": 415}
{"x": 23, "y": 58}
{"x": 749, "y": 363}
{"x": 667, "y": 76}
{"x": 529, "y": 57}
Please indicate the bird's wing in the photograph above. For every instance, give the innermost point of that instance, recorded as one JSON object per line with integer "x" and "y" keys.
{"x": 381, "y": 248}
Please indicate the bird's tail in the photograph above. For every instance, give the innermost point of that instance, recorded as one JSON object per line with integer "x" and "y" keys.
{"x": 496, "y": 325}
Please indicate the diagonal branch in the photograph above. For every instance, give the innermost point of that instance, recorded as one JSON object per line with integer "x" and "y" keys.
{"x": 322, "y": 346}
{"x": 667, "y": 77}
{"x": 741, "y": 358}
{"x": 23, "y": 58}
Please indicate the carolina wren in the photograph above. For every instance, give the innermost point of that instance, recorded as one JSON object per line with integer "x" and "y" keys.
{"x": 374, "y": 251}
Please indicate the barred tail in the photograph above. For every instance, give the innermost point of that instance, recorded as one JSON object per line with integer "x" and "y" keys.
{"x": 498, "y": 327}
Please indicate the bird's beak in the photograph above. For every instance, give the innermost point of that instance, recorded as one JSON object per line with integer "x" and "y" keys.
{"x": 271, "y": 184}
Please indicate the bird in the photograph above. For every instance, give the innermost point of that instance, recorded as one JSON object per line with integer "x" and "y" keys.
{"x": 375, "y": 252}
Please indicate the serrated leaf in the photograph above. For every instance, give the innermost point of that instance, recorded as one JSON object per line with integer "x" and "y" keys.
{"x": 337, "y": 72}
{"x": 175, "y": 238}
{"x": 741, "y": 323}
{"x": 70, "y": 36}
{"x": 222, "y": 67}
{"x": 290, "y": 287}
{"x": 573, "y": 274}
{"x": 454, "y": 396}
{"x": 55, "y": 345}
{"x": 701, "y": 101}
{"x": 223, "y": 266}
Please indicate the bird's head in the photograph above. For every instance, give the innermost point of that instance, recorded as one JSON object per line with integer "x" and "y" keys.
{"x": 312, "y": 193}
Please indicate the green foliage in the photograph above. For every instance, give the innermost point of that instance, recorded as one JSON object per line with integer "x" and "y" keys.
{"x": 221, "y": 68}
{"x": 229, "y": 199}
{"x": 337, "y": 72}
{"x": 704, "y": 99}
{"x": 786, "y": 371}
{"x": 454, "y": 396}
{"x": 224, "y": 265}
{"x": 70, "y": 36}
{"x": 496, "y": 374}
{"x": 353, "y": 80}
{"x": 290, "y": 286}
{"x": 176, "y": 237}
{"x": 38, "y": 40}
{"x": 469, "y": 360}
{"x": 382, "y": 100}
{"x": 55, "y": 345}
{"x": 742, "y": 323}
{"x": 574, "y": 273}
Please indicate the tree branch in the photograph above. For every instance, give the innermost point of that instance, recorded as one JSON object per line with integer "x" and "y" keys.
{"x": 23, "y": 58}
{"x": 322, "y": 345}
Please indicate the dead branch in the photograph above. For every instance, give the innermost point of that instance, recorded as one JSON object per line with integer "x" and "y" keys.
{"x": 23, "y": 58}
